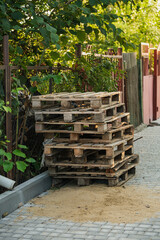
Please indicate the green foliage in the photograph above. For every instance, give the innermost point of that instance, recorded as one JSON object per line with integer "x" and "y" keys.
{"x": 7, "y": 164}
{"x": 140, "y": 23}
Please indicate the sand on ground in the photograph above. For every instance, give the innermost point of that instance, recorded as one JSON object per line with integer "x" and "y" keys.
{"x": 98, "y": 203}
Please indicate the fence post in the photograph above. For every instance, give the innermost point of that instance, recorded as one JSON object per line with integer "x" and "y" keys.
{"x": 155, "y": 85}
{"x": 121, "y": 79}
{"x": 7, "y": 95}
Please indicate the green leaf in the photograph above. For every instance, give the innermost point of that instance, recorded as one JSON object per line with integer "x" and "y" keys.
{"x": 78, "y": 3}
{"x": 16, "y": 27}
{"x": 103, "y": 31}
{"x": 30, "y": 160}
{"x": 2, "y": 152}
{"x": 92, "y": 2}
{"x": 39, "y": 20}
{"x": 54, "y": 37}
{"x": 7, "y": 109}
{"x": 58, "y": 46}
{"x": 8, "y": 155}
{"x": 50, "y": 28}
{"x": 65, "y": 77}
{"x": 113, "y": 27}
{"x": 83, "y": 19}
{"x": 57, "y": 79}
{"x": 7, "y": 166}
{"x": 22, "y": 146}
{"x": 21, "y": 166}
{"x": 69, "y": 56}
{"x": 88, "y": 30}
{"x": 35, "y": 79}
{"x": 1, "y": 162}
{"x": 54, "y": 55}
{"x": 33, "y": 90}
{"x": 18, "y": 153}
{"x": 19, "y": 50}
{"x": 81, "y": 35}
{"x": 5, "y": 24}
{"x": 17, "y": 15}
{"x": 44, "y": 32}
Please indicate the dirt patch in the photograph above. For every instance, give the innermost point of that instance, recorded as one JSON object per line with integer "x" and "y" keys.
{"x": 98, "y": 203}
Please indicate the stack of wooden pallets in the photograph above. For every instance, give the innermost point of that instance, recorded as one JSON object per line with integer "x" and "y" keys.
{"x": 90, "y": 136}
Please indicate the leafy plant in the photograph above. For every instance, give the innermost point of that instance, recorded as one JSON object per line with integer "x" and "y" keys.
{"x": 7, "y": 164}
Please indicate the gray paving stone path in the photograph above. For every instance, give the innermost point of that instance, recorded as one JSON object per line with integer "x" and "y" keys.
{"x": 20, "y": 225}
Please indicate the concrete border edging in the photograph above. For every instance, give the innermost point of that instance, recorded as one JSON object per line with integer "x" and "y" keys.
{"x": 11, "y": 200}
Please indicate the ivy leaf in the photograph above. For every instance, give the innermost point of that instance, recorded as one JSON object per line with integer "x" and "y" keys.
{"x": 18, "y": 153}
{"x": 81, "y": 35}
{"x": 7, "y": 166}
{"x": 30, "y": 160}
{"x": 22, "y": 146}
{"x": 21, "y": 165}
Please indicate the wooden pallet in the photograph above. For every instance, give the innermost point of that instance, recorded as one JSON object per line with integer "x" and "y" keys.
{"x": 94, "y": 170}
{"x": 87, "y": 127}
{"x": 76, "y": 115}
{"x": 93, "y": 161}
{"x": 110, "y": 136}
{"x": 76, "y": 100}
{"x": 120, "y": 177}
{"x": 113, "y": 153}
{"x": 80, "y": 148}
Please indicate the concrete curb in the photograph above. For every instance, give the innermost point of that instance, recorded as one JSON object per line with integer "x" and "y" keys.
{"x": 11, "y": 200}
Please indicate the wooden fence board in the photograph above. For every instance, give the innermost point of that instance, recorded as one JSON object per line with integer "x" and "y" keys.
{"x": 132, "y": 87}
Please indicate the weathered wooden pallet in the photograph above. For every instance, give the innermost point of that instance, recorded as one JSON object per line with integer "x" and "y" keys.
{"x": 94, "y": 170}
{"x": 76, "y": 100}
{"x": 92, "y": 162}
{"x": 84, "y": 178}
{"x": 87, "y": 127}
{"x": 75, "y": 115}
{"x": 88, "y": 153}
{"x": 108, "y": 137}
{"x": 80, "y": 147}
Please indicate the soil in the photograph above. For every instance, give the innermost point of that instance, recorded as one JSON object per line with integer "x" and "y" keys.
{"x": 98, "y": 203}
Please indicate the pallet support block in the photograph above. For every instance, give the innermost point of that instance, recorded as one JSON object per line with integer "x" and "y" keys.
{"x": 83, "y": 182}
{"x": 74, "y": 136}
{"x": 65, "y": 104}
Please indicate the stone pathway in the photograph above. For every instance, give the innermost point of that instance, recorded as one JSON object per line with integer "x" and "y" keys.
{"x": 22, "y": 225}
